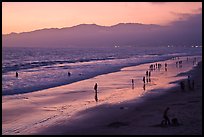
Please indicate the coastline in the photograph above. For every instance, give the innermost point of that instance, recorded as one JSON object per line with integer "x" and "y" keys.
{"x": 50, "y": 106}
{"x": 143, "y": 118}
{"x": 81, "y": 78}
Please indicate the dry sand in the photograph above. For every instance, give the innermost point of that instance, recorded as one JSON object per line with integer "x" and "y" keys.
{"x": 120, "y": 110}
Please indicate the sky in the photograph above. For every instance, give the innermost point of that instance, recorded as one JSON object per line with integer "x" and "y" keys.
{"x": 28, "y": 16}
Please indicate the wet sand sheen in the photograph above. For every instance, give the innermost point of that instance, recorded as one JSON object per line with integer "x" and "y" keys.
{"x": 48, "y": 107}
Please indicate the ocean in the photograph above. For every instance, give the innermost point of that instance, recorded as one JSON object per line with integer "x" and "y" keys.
{"x": 42, "y": 68}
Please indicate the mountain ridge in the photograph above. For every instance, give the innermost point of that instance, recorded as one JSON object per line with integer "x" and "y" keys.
{"x": 81, "y": 25}
{"x": 181, "y": 32}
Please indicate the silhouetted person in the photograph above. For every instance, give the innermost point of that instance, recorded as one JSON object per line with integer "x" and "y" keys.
{"x": 165, "y": 65}
{"x": 16, "y": 74}
{"x": 144, "y": 80}
{"x": 96, "y": 89}
{"x": 149, "y": 79}
{"x": 149, "y": 74}
{"x": 146, "y": 73}
{"x": 180, "y": 64}
{"x": 176, "y": 63}
{"x": 189, "y": 82}
{"x": 151, "y": 67}
{"x": 165, "y": 116}
{"x": 132, "y": 83}
{"x": 182, "y": 86}
{"x": 193, "y": 84}
{"x": 194, "y": 61}
{"x": 159, "y": 66}
{"x": 69, "y": 74}
{"x": 144, "y": 87}
{"x": 165, "y": 69}
{"x": 175, "y": 122}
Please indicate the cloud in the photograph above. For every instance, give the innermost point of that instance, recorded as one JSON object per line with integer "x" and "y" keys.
{"x": 186, "y": 16}
{"x": 188, "y": 30}
{"x": 199, "y": 10}
{"x": 181, "y": 16}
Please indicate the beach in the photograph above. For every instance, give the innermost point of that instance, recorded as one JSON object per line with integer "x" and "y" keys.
{"x": 120, "y": 110}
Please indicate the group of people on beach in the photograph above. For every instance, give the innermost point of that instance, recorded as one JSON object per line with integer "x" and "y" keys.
{"x": 147, "y": 78}
{"x": 179, "y": 64}
{"x": 190, "y": 84}
{"x": 194, "y": 61}
{"x": 155, "y": 66}
{"x": 152, "y": 67}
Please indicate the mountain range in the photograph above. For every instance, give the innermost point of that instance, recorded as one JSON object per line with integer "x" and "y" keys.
{"x": 182, "y": 32}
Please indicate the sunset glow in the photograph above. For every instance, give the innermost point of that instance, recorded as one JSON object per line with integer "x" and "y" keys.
{"x": 28, "y": 16}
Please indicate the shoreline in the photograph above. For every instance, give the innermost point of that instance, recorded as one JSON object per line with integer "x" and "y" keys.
{"x": 50, "y": 106}
{"x": 36, "y": 89}
{"x": 141, "y": 118}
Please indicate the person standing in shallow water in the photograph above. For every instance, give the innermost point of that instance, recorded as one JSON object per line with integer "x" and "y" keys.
{"x": 69, "y": 74}
{"x": 96, "y": 89}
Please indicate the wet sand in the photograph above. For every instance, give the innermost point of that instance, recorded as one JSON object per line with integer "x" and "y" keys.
{"x": 120, "y": 110}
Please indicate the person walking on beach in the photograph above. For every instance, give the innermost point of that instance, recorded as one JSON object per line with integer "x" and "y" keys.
{"x": 189, "y": 83}
{"x": 132, "y": 83}
{"x": 165, "y": 65}
{"x": 69, "y": 74}
{"x": 149, "y": 76}
{"x": 177, "y": 64}
{"x": 144, "y": 80}
{"x": 165, "y": 116}
{"x": 96, "y": 89}
{"x": 193, "y": 84}
{"x": 147, "y": 73}
{"x": 182, "y": 86}
{"x": 144, "y": 87}
{"x": 16, "y": 74}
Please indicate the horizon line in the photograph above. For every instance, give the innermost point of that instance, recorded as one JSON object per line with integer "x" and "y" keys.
{"x": 76, "y": 26}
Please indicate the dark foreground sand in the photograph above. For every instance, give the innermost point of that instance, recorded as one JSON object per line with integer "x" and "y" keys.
{"x": 142, "y": 118}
